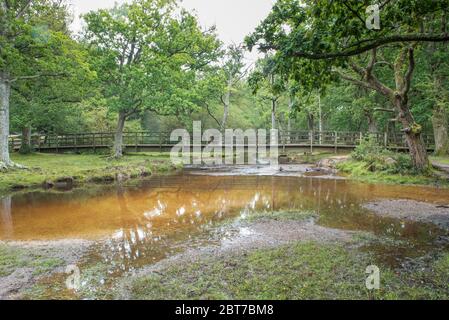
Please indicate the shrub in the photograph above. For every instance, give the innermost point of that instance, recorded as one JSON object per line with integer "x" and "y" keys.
{"x": 378, "y": 159}
{"x": 367, "y": 147}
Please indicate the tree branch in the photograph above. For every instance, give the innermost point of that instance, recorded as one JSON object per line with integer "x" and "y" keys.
{"x": 354, "y": 12}
{"x": 359, "y": 48}
{"x": 355, "y": 81}
{"x": 23, "y": 9}
{"x": 409, "y": 74}
{"x": 211, "y": 115}
{"x": 384, "y": 110}
{"x": 371, "y": 79}
{"x": 369, "y": 69}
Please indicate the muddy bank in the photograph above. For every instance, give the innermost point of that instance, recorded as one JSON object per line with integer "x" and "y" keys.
{"x": 412, "y": 210}
{"x": 27, "y": 262}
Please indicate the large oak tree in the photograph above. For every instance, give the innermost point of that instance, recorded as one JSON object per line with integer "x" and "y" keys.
{"x": 317, "y": 40}
{"x": 150, "y": 56}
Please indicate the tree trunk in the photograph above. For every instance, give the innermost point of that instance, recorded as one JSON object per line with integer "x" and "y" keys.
{"x": 226, "y": 106}
{"x": 289, "y": 120}
{"x": 5, "y": 90}
{"x": 372, "y": 126}
{"x": 25, "y": 145}
{"x": 415, "y": 142}
{"x": 418, "y": 151}
{"x": 6, "y": 222}
{"x": 310, "y": 121}
{"x": 118, "y": 141}
{"x": 440, "y": 125}
{"x": 273, "y": 114}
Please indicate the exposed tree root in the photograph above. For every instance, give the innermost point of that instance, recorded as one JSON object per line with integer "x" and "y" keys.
{"x": 6, "y": 166}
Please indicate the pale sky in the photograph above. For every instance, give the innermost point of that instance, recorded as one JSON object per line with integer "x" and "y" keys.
{"x": 234, "y": 18}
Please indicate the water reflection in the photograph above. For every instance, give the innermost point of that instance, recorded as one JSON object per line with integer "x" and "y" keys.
{"x": 6, "y": 216}
{"x": 163, "y": 215}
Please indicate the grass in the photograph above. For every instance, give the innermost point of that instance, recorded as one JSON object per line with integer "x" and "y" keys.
{"x": 297, "y": 271}
{"x": 12, "y": 259}
{"x": 358, "y": 170}
{"x": 82, "y": 168}
{"x": 280, "y": 216}
{"x": 443, "y": 160}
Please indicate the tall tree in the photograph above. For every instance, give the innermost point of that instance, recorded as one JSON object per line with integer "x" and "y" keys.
{"x": 233, "y": 72}
{"x": 319, "y": 40}
{"x": 149, "y": 57}
{"x": 268, "y": 84}
{"x": 30, "y": 48}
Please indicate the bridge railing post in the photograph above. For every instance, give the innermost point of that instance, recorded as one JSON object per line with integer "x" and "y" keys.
{"x": 311, "y": 141}
{"x": 160, "y": 141}
{"x": 336, "y": 142}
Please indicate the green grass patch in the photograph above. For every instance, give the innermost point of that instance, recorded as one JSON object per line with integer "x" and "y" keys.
{"x": 82, "y": 168}
{"x": 443, "y": 160}
{"x": 360, "y": 171}
{"x": 299, "y": 271}
{"x": 14, "y": 258}
{"x": 280, "y": 216}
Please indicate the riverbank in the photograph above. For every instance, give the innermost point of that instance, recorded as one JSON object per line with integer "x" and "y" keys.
{"x": 66, "y": 170}
{"x": 296, "y": 271}
{"x": 310, "y": 263}
{"x": 264, "y": 255}
{"x": 360, "y": 171}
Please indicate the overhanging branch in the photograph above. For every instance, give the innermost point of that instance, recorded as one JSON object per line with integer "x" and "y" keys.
{"x": 359, "y": 48}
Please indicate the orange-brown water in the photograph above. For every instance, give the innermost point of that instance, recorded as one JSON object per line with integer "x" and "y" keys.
{"x": 165, "y": 204}
{"x": 144, "y": 223}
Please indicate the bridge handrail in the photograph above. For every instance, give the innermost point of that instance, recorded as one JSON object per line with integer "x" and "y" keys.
{"x": 144, "y": 138}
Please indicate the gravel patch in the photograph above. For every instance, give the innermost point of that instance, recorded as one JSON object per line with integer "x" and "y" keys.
{"x": 412, "y": 210}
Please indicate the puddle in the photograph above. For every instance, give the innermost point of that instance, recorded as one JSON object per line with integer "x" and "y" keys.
{"x": 136, "y": 226}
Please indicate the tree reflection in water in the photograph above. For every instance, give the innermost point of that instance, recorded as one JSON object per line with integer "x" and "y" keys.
{"x": 6, "y": 223}
{"x": 137, "y": 225}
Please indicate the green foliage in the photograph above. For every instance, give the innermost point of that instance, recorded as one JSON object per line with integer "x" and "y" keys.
{"x": 367, "y": 148}
{"x": 149, "y": 58}
{"x": 376, "y": 158}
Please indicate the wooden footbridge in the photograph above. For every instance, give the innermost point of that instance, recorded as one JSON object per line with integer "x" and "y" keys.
{"x": 160, "y": 141}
